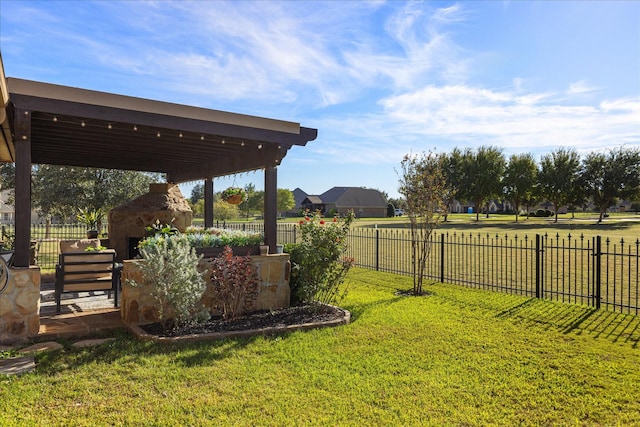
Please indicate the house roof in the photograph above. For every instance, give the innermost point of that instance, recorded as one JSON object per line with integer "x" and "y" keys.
{"x": 353, "y": 197}
{"x": 79, "y": 127}
{"x": 316, "y": 200}
{"x": 299, "y": 196}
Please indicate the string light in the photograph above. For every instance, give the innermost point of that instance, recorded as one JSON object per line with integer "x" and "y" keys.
{"x": 259, "y": 146}
{"x": 202, "y": 138}
{"x": 135, "y": 127}
{"x": 82, "y": 124}
{"x": 180, "y": 135}
{"x": 109, "y": 126}
{"x": 223, "y": 141}
{"x": 55, "y": 119}
{"x": 242, "y": 144}
{"x": 158, "y": 135}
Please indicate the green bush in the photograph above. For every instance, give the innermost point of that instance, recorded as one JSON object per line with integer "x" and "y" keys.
{"x": 171, "y": 267}
{"x": 199, "y": 237}
{"x": 318, "y": 265}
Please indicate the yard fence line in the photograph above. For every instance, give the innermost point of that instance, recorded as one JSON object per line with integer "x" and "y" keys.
{"x": 596, "y": 271}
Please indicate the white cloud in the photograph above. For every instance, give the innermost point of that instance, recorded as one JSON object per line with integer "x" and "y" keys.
{"x": 580, "y": 87}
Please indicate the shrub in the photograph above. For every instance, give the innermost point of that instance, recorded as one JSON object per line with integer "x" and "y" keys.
{"x": 170, "y": 266}
{"x": 199, "y": 237}
{"x": 318, "y": 266}
{"x": 234, "y": 280}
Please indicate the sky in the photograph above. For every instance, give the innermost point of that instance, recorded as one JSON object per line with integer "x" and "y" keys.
{"x": 378, "y": 79}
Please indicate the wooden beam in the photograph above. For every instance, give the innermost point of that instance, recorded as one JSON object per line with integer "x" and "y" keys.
{"x": 268, "y": 156}
{"x": 161, "y": 121}
{"x": 22, "y": 141}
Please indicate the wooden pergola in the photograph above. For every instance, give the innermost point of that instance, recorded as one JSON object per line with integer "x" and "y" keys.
{"x": 57, "y": 125}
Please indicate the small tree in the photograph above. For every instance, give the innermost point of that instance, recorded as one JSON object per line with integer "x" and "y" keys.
{"x": 423, "y": 185}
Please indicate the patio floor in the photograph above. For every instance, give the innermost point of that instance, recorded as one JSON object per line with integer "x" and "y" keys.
{"x": 81, "y": 314}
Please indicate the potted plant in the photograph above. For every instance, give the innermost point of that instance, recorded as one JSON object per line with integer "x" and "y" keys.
{"x": 92, "y": 219}
{"x": 234, "y": 195}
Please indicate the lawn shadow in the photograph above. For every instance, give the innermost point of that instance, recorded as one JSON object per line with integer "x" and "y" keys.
{"x": 572, "y": 319}
{"x": 360, "y": 309}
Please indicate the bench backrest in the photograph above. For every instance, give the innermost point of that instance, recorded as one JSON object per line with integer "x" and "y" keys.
{"x": 87, "y": 271}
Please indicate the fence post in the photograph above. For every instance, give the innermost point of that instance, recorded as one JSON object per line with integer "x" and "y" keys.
{"x": 597, "y": 260}
{"x": 377, "y": 249}
{"x": 442, "y": 258}
{"x": 538, "y": 275}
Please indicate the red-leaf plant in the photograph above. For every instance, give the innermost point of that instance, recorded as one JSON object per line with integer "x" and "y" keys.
{"x": 234, "y": 280}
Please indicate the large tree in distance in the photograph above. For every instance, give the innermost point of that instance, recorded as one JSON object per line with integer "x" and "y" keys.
{"x": 285, "y": 200}
{"x": 422, "y": 183}
{"x": 481, "y": 176}
{"x": 452, "y": 168}
{"x": 519, "y": 181}
{"x": 558, "y": 175}
{"x": 61, "y": 191}
{"x": 608, "y": 178}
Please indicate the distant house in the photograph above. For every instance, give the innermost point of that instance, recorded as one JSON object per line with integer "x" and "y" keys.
{"x": 364, "y": 202}
{"x": 7, "y": 211}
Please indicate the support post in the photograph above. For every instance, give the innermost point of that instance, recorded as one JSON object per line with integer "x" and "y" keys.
{"x": 208, "y": 202}
{"x": 271, "y": 207}
{"x": 22, "y": 141}
{"x": 377, "y": 249}
{"x": 442, "y": 258}
{"x": 597, "y": 262}
{"x": 538, "y": 266}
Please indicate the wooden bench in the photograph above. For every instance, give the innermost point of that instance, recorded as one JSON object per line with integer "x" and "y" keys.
{"x": 86, "y": 272}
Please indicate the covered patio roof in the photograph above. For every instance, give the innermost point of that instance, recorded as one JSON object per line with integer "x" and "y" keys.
{"x": 43, "y": 123}
{"x": 79, "y": 127}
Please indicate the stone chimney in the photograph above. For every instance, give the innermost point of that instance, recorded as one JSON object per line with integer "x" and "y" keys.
{"x": 164, "y": 203}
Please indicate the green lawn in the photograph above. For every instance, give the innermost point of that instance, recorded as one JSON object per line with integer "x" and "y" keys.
{"x": 458, "y": 357}
{"x": 617, "y": 226}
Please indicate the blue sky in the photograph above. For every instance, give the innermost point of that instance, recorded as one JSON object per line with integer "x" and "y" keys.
{"x": 377, "y": 79}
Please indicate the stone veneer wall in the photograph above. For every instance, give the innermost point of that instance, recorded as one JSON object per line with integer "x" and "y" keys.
{"x": 20, "y": 305}
{"x": 138, "y": 307}
{"x": 164, "y": 203}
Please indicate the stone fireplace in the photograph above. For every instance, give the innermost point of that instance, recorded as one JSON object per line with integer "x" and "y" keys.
{"x": 164, "y": 203}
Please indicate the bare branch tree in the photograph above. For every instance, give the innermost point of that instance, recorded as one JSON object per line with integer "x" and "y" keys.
{"x": 423, "y": 185}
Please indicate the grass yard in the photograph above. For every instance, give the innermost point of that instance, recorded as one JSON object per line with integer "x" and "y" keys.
{"x": 458, "y": 357}
{"x": 617, "y": 226}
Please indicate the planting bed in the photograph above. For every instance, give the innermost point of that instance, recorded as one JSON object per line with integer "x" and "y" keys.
{"x": 262, "y": 323}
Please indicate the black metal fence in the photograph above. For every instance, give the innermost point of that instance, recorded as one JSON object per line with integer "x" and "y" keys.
{"x": 591, "y": 271}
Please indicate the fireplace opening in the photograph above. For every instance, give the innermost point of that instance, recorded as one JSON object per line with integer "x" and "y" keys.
{"x": 133, "y": 250}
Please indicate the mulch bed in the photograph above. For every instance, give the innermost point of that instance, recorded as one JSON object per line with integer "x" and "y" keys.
{"x": 261, "y": 321}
